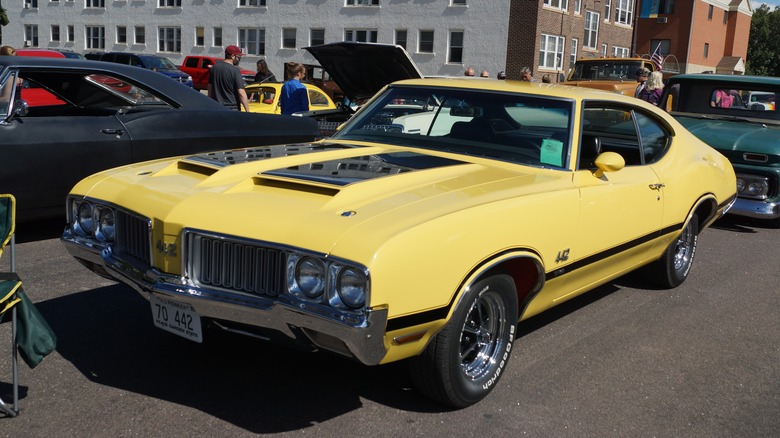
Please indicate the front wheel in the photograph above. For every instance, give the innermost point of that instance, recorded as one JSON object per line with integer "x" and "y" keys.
{"x": 673, "y": 267}
{"x": 463, "y": 363}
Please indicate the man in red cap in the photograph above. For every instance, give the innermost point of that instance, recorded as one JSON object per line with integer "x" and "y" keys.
{"x": 226, "y": 85}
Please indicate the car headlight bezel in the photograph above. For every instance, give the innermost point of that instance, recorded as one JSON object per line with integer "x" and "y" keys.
{"x": 310, "y": 276}
{"x": 83, "y": 220}
{"x": 753, "y": 186}
{"x": 105, "y": 223}
{"x": 343, "y": 285}
{"x": 351, "y": 288}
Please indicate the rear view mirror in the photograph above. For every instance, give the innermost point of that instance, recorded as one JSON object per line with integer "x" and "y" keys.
{"x": 466, "y": 111}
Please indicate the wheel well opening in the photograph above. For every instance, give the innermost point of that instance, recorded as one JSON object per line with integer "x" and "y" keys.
{"x": 705, "y": 212}
{"x": 525, "y": 274}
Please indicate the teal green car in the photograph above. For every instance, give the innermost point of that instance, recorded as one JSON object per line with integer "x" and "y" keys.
{"x": 737, "y": 115}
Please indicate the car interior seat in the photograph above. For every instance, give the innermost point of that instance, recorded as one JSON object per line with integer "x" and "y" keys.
{"x": 590, "y": 148}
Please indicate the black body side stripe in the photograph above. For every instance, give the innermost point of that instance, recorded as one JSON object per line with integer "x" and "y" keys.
{"x": 441, "y": 313}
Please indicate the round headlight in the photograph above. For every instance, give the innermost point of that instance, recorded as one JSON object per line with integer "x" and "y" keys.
{"x": 310, "y": 276}
{"x": 755, "y": 188}
{"x": 84, "y": 218}
{"x": 740, "y": 185}
{"x": 352, "y": 285}
{"x": 105, "y": 224}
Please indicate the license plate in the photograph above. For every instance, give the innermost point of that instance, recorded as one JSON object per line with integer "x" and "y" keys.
{"x": 177, "y": 318}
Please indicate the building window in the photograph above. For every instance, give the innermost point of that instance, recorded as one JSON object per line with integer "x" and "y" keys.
{"x": 140, "y": 35}
{"x": 578, "y": 7}
{"x": 591, "y": 37}
{"x": 95, "y": 37}
{"x": 362, "y": 2}
{"x": 251, "y": 3}
{"x": 96, "y": 3}
{"x": 425, "y": 43}
{"x": 200, "y": 36}
{"x": 551, "y": 52}
{"x": 709, "y": 13}
{"x": 170, "y": 3}
{"x": 560, "y": 5}
{"x": 169, "y": 39}
{"x": 607, "y": 9}
{"x": 71, "y": 33}
{"x": 604, "y": 49}
{"x": 252, "y": 40}
{"x": 666, "y": 7}
{"x": 31, "y": 35}
{"x": 620, "y": 52}
{"x": 217, "y": 37}
{"x": 661, "y": 46}
{"x": 316, "y": 37}
{"x": 455, "y": 54}
{"x": 289, "y": 35}
{"x": 55, "y": 32}
{"x": 459, "y": 2}
{"x": 31, "y": 4}
{"x": 624, "y": 13}
{"x": 400, "y": 37}
{"x": 360, "y": 35}
{"x": 573, "y": 52}
{"x": 706, "y": 50}
{"x": 121, "y": 35}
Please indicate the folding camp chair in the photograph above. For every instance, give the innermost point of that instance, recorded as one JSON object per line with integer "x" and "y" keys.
{"x": 10, "y": 284}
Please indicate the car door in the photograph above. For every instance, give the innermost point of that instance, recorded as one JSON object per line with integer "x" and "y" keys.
{"x": 45, "y": 152}
{"x": 621, "y": 212}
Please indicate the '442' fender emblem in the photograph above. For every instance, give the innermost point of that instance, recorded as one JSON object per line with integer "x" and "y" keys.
{"x": 562, "y": 256}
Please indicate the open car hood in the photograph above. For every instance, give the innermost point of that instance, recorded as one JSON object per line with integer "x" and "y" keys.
{"x": 362, "y": 69}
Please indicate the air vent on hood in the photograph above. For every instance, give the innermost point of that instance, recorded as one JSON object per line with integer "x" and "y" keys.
{"x": 295, "y": 185}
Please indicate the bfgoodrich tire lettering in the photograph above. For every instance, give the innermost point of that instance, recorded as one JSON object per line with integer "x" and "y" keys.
{"x": 465, "y": 360}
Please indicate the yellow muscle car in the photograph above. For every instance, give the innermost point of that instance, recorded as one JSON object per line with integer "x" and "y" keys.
{"x": 264, "y": 98}
{"x": 424, "y": 235}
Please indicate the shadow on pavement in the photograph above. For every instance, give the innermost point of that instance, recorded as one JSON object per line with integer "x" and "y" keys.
{"x": 108, "y": 335}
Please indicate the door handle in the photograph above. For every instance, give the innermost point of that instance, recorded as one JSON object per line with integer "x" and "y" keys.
{"x": 116, "y": 132}
{"x": 657, "y": 186}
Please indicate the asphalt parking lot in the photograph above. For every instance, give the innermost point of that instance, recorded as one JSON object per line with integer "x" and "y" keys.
{"x": 702, "y": 360}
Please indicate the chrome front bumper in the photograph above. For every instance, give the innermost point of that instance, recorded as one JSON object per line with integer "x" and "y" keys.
{"x": 363, "y": 340}
{"x": 756, "y": 209}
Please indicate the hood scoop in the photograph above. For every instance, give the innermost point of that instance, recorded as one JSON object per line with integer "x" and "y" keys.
{"x": 344, "y": 171}
{"x": 241, "y": 156}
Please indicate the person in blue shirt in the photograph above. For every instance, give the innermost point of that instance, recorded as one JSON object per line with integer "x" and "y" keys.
{"x": 295, "y": 97}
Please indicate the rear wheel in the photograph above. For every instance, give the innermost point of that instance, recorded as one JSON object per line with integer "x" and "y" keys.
{"x": 673, "y": 267}
{"x": 463, "y": 363}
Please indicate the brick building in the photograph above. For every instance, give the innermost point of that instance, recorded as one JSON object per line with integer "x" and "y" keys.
{"x": 549, "y": 35}
{"x": 704, "y": 35}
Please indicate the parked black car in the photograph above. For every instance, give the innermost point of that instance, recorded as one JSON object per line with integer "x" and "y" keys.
{"x": 160, "y": 64}
{"x": 98, "y": 115}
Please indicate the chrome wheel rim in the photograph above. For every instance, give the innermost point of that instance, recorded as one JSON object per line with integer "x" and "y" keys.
{"x": 682, "y": 252}
{"x": 481, "y": 340}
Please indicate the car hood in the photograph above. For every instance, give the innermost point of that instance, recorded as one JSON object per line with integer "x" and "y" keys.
{"x": 362, "y": 69}
{"x": 317, "y": 196}
{"x": 734, "y": 135}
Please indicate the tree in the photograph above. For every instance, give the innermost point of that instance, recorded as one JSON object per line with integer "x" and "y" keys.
{"x": 763, "y": 46}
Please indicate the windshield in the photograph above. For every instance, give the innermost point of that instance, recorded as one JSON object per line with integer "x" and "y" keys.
{"x": 154, "y": 62}
{"x": 612, "y": 70}
{"x": 506, "y": 126}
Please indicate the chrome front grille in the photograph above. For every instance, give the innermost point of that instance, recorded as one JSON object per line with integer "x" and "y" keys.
{"x": 237, "y": 265}
{"x": 133, "y": 236}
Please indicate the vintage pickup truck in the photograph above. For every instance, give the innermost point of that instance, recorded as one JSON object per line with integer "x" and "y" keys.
{"x": 610, "y": 74}
{"x": 199, "y": 66}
